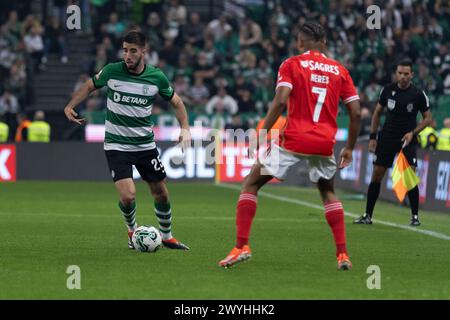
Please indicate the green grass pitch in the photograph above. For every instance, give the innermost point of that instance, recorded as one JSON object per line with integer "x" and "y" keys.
{"x": 47, "y": 226}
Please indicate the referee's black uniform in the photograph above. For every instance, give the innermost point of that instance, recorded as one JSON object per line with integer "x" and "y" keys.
{"x": 401, "y": 106}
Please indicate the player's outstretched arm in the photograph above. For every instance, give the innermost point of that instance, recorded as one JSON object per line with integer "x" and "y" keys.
{"x": 79, "y": 96}
{"x": 354, "y": 111}
{"x": 182, "y": 117}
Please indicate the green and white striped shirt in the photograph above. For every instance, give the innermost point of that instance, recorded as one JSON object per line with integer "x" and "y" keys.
{"x": 128, "y": 125}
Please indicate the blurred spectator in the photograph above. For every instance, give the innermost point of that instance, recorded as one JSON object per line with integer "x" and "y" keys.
{"x": 245, "y": 102}
{"x": 13, "y": 27}
{"x": 424, "y": 77}
{"x": 175, "y": 19}
{"x": 4, "y": 131}
{"x": 8, "y": 103}
{"x": 114, "y": 28}
{"x": 241, "y": 85}
{"x": 176, "y": 12}
{"x": 372, "y": 92}
{"x": 54, "y": 40}
{"x": 203, "y": 68}
{"x": 250, "y": 34}
{"x": 181, "y": 87}
{"x": 22, "y": 129}
{"x": 7, "y": 56}
{"x": 9, "y": 107}
{"x": 210, "y": 53}
{"x": 221, "y": 102}
{"x": 152, "y": 56}
{"x": 221, "y": 82}
{"x": 366, "y": 119}
{"x": 184, "y": 68}
{"x": 82, "y": 78}
{"x": 101, "y": 59}
{"x": 446, "y": 83}
{"x": 263, "y": 71}
{"x": 228, "y": 47}
{"x": 90, "y": 112}
{"x": 151, "y": 6}
{"x": 39, "y": 129}
{"x": 17, "y": 79}
{"x": 278, "y": 42}
{"x": 248, "y": 65}
{"x": 198, "y": 93}
{"x": 59, "y": 9}
{"x": 441, "y": 60}
{"x": 111, "y": 51}
{"x": 170, "y": 52}
{"x": 279, "y": 18}
{"x": 193, "y": 31}
{"x": 35, "y": 46}
{"x": 428, "y": 137}
{"x": 263, "y": 95}
{"x": 444, "y": 136}
{"x": 217, "y": 28}
{"x": 153, "y": 28}
{"x": 236, "y": 123}
{"x": 190, "y": 53}
{"x": 168, "y": 70}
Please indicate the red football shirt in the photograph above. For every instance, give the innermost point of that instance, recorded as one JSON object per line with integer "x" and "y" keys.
{"x": 317, "y": 84}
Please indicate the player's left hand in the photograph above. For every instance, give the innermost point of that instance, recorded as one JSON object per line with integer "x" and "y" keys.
{"x": 346, "y": 157}
{"x": 185, "y": 139}
{"x": 407, "y": 138}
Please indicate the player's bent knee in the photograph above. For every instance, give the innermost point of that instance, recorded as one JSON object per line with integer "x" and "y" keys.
{"x": 128, "y": 198}
{"x": 250, "y": 186}
{"x": 160, "y": 195}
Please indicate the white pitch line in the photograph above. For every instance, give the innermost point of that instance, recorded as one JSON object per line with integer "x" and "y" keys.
{"x": 431, "y": 233}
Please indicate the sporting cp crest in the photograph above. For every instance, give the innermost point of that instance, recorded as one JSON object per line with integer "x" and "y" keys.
{"x": 391, "y": 104}
{"x": 409, "y": 107}
{"x": 145, "y": 90}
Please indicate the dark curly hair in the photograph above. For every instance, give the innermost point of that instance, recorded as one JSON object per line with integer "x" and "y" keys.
{"x": 313, "y": 30}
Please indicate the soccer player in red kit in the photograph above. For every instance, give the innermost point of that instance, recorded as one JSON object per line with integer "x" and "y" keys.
{"x": 309, "y": 86}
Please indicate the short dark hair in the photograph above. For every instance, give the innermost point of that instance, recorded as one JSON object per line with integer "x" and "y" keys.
{"x": 313, "y": 30}
{"x": 406, "y": 62}
{"x": 135, "y": 37}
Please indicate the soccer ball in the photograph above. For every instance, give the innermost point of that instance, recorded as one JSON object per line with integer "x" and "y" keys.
{"x": 146, "y": 239}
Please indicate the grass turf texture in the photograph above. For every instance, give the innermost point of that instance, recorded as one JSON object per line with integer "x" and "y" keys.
{"x": 47, "y": 226}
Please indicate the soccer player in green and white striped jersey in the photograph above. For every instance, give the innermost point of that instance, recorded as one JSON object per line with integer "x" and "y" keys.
{"x": 129, "y": 140}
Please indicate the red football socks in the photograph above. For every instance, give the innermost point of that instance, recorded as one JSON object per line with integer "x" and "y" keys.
{"x": 245, "y": 212}
{"x": 334, "y": 213}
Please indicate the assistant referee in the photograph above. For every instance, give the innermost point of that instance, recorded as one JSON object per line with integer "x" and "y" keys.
{"x": 402, "y": 101}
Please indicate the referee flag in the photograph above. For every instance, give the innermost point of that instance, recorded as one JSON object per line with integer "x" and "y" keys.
{"x": 403, "y": 177}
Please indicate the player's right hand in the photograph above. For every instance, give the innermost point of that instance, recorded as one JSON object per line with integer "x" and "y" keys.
{"x": 71, "y": 115}
{"x": 185, "y": 139}
{"x": 346, "y": 157}
{"x": 372, "y": 145}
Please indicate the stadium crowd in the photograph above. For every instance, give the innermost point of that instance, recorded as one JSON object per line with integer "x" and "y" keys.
{"x": 228, "y": 64}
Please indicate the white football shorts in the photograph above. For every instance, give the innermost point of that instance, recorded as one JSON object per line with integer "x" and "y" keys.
{"x": 276, "y": 161}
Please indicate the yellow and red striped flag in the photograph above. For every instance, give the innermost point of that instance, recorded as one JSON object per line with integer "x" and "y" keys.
{"x": 403, "y": 177}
